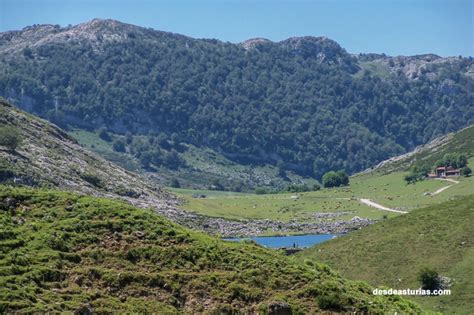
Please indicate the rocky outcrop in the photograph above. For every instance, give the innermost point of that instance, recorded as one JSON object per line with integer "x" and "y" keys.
{"x": 48, "y": 156}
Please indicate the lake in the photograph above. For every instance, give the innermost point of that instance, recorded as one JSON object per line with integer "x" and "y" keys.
{"x": 288, "y": 240}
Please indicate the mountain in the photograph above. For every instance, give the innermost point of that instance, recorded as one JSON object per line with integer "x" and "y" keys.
{"x": 61, "y": 252}
{"x": 391, "y": 253}
{"x": 304, "y": 103}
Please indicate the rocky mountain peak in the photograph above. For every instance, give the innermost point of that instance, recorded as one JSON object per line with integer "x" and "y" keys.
{"x": 253, "y": 42}
{"x": 95, "y": 32}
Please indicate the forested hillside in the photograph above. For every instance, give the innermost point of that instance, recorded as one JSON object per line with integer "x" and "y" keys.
{"x": 302, "y": 103}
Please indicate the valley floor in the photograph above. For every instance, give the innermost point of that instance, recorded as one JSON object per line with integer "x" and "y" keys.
{"x": 370, "y": 197}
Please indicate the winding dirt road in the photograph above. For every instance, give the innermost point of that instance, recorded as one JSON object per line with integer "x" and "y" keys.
{"x": 378, "y": 206}
{"x": 445, "y": 187}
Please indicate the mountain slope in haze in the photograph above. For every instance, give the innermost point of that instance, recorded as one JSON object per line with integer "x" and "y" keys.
{"x": 303, "y": 103}
{"x": 61, "y": 252}
{"x": 48, "y": 157}
{"x": 392, "y": 252}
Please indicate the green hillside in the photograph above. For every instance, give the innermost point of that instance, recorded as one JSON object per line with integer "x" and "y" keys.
{"x": 392, "y": 252}
{"x": 61, "y": 252}
{"x": 461, "y": 141}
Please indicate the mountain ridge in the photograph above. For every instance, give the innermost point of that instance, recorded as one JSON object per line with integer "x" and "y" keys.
{"x": 100, "y": 24}
{"x": 303, "y": 103}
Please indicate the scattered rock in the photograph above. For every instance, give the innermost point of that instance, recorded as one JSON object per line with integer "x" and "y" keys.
{"x": 85, "y": 309}
{"x": 279, "y": 308}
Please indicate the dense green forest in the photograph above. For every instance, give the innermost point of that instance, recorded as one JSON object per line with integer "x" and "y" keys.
{"x": 303, "y": 103}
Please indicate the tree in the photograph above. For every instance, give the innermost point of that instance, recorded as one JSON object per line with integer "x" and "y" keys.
{"x": 128, "y": 137}
{"x": 281, "y": 168}
{"x": 417, "y": 173}
{"x": 330, "y": 179}
{"x": 411, "y": 178}
{"x": 104, "y": 134}
{"x": 27, "y": 52}
{"x": 343, "y": 178}
{"x": 456, "y": 160}
{"x": 429, "y": 279}
{"x": 466, "y": 171}
{"x": 175, "y": 183}
{"x": 335, "y": 179}
{"x": 10, "y": 137}
{"x": 119, "y": 145}
{"x": 216, "y": 185}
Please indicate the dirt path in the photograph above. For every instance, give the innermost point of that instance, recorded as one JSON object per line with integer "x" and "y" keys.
{"x": 380, "y": 207}
{"x": 445, "y": 187}
{"x": 440, "y": 190}
{"x": 448, "y": 180}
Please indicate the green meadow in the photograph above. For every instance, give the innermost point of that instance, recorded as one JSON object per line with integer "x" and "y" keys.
{"x": 389, "y": 190}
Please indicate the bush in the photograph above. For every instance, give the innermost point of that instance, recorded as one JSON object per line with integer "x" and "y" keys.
{"x": 261, "y": 191}
{"x": 335, "y": 179}
{"x": 175, "y": 183}
{"x": 429, "y": 279}
{"x": 119, "y": 145}
{"x": 330, "y": 301}
{"x": 417, "y": 174}
{"x": 10, "y": 138}
{"x": 216, "y": 185}
{"x": 92, "y": 179}
{"x": 104, "y": 134}
{"x": 466, "y": 171}
{"x": 295, "y": 188}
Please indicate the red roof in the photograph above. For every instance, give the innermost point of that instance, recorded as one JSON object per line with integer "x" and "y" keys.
{"x": 449, "y": 168}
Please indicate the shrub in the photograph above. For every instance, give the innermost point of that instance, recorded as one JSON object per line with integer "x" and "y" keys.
{"x": 175, "y": 183}
{"x": 119, "y": 145}
{"x": 104, "y": 134}
{"x": 429, "y": 279}
{"x": 330, "y": 301}
{"x": 10, "y": 138}
{"x": 466, "y": 171}
{"x": 261, "y": 191}
{"x": 335, "y": 179}
{"x": 417, "y": 174}
{"x": 92, "y": 179}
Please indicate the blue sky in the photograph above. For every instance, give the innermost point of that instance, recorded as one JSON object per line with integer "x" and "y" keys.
{"x": 395, "y": 27}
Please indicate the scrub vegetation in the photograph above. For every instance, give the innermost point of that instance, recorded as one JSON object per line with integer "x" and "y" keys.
{"x": 61, "y": 252}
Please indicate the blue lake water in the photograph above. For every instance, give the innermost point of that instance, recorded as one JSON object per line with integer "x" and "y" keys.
{"x": 287, "y": 241}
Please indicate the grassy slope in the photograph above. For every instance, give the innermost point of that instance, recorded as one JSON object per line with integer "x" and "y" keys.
{"x": 61, "y": 252}
{"x": 93, "y": 142}
{"x": 203, "y": 166}
{"x": 392, "y": 252}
